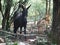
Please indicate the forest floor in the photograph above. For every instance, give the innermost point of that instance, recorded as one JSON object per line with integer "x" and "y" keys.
{"x": 29, "y": 39}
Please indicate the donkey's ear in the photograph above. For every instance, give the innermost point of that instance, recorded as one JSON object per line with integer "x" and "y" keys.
{"x": 28, "y": 7}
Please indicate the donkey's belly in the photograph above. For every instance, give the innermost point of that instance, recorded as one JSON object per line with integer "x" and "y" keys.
{"x": 21, "y": 22}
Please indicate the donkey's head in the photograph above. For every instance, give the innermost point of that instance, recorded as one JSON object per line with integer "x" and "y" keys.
{"x": 25, "y": 10}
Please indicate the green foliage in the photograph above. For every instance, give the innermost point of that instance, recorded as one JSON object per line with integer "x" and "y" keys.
{"x": 42, "y": 43}
{"x": 37, "y": 9}
{"x": 15, "y": 43}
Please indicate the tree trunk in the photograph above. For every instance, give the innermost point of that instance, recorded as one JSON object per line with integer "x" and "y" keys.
{"x": 0, "y": 5}
{"x": 1, "y": 11}
{"x": 5, "y": 21}
{"x": 56, "y": 22}
{"x": 46, "y": 6}
{"x": 49, "y": 7}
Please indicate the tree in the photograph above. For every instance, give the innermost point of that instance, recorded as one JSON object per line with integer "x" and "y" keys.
{"x": 46, "y": 6}
{"x": 0, "y": 5}
{"x": 48, "y": 2}
{"x": 5, "y": 21}
{"x": 55, "y": 33}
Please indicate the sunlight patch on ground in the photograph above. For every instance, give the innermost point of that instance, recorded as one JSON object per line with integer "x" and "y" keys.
{"x": 23, "y": 43}
{"x": 2, "y": 43}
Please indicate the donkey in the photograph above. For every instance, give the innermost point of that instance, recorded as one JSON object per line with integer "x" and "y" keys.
{"x": 20, "y": 18}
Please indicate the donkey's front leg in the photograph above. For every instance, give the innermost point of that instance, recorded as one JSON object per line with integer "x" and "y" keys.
{"x": 25, "y": 38}
{"x": 25, "y": 30}
{"x": 20, "y": 30}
